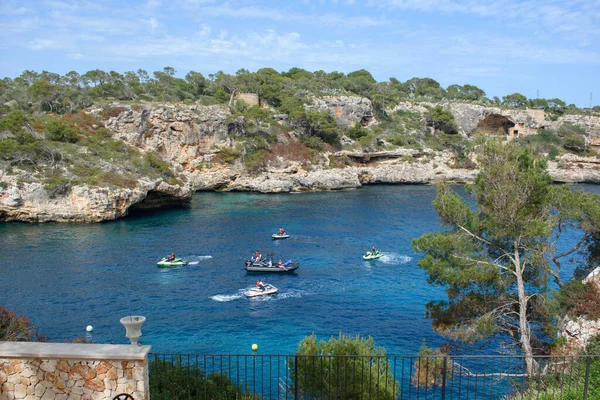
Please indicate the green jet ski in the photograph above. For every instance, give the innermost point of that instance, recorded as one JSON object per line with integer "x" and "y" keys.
{"x": 372, "y": 255}
{"x": 177, "y": 262}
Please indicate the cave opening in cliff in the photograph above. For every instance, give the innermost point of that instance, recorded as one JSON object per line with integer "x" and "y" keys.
{"x": 493, "y": 124}
{"x": 156, "y": 200}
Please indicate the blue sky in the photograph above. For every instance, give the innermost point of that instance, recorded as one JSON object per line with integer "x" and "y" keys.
{"x": 501, "y": 46}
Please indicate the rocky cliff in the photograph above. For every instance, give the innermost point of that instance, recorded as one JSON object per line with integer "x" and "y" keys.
{"x": 31, "y": 202}
{"x": 577, "y": 331}
{"x": 195, "y": 139}
{"x": 472, "y": 119}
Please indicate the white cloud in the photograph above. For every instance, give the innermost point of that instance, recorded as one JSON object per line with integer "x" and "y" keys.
{"x": 289, "y": 16}
{"x": 75, "y": 56}
{"x": 153, "y": 22}
{"x": 44, "y": 44}
{"x": 579, "y": 17}
{"x": 205, "y": 30}
{"x": 153, "y": 4}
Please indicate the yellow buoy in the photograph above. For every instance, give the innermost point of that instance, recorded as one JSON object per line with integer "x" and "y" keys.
{"x": 254, "y": 347}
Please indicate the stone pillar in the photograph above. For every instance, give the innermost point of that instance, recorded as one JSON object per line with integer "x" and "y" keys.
{"x": 61, "y": 371}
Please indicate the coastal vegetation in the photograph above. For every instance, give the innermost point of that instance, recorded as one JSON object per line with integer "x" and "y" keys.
{"x": 345, "y": 367}
{"x": 17, "y": 328}
{"x": 174, "y": 379}
{"x": 65, "y": 150}
{"x": 47, "y": 130}
{"x": 286, "y": 91}
{"x": 496, "y": 261}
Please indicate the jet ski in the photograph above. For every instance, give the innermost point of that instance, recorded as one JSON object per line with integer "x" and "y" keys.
{"x": 165, "y": 262}
{"x": 265, "y": 290}
{"x": 372, "y": 255}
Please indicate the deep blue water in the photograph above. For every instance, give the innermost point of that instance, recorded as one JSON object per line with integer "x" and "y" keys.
{"x": 65, "y": 277}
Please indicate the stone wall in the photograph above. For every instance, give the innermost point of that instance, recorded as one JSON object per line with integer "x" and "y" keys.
{"x": 250, "y": 99}
{"x": 61, "y": 371}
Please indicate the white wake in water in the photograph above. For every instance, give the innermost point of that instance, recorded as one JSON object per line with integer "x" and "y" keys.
{"x": 226, "y": 297}
{"x": 291, "y": 294}
{"x": 395, "y": 259}
{"x": 195, "y": 260}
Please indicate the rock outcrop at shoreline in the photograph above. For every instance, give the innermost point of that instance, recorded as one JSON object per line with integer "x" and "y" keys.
{"x": 192, "y": 139}
{"x": 30, "y": 202}
{"x": 578, "y": 331}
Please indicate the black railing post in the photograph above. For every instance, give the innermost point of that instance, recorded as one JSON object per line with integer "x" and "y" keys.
{"x": 295, "y": 377}
{"x": 587, "y": 377}
{"x": 444, "y": 377}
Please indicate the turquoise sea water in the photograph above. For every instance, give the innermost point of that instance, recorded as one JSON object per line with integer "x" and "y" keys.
{"x": 65, "y": 277}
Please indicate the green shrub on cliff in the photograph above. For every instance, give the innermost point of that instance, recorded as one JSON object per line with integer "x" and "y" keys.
{"x": 174, "y": 379}
{"x": 255, "y": 161}
{"x": 13, "y": 122}
{"x": 76, "y": 149}
{"x": 357, "y": 131}
{"x": 228, "y": 155}
{"x": 364, "y": 374}
{"x": 59, "y": 131}
{"x": 575, "y": 144}
{"x": 441, "y": 120}
{"x": 322, "y": 125}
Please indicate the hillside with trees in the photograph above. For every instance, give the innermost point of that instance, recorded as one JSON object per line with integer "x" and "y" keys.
{"x": 137, "y": 137}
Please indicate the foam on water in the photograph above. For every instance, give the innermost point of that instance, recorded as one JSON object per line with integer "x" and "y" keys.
{"x": 226, "y": 297}
{"x": 195, "y": 260}
{"x": 395, "y": 258}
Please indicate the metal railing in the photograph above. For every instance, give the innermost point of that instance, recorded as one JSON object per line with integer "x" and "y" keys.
{"x": 256, "y": 376}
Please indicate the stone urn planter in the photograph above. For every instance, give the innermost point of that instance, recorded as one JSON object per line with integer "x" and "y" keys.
{"x": 133, "y": 327}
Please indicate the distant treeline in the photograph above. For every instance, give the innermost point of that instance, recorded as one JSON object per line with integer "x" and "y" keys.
{"x": 47, "y": 91}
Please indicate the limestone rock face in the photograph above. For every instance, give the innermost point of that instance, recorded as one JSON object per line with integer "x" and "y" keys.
{"x": 575, "y": 169}
{"x": 183, "y": 134}
{"x": 347, "y": 110}
{"x": 30, "y": 202}
{"x": 580, "y": 330}
{"x": 469, "y": 116}
{"x": 191, "y": 138}
{"x": 590, "y": 123}
{"x": 593, "y": 278}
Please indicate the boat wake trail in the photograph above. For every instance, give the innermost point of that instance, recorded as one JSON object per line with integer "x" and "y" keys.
{"x": 292, "y": 294}
{"x": 395, "y": 259}
{"x": 195, "y": 260}
{"x": 226, "y": 297}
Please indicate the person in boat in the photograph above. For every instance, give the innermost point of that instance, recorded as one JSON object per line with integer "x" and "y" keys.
{"x": 257, "y": 256}
{"x": 281, "y": 231}
{"x": 374, "y": 251}
{"x": 171, "y": 257}
{"x": 260, "y": 285}
{"x": 280, "y": 264}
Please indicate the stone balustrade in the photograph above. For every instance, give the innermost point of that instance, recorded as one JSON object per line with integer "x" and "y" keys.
{"x": 61, "y": 371}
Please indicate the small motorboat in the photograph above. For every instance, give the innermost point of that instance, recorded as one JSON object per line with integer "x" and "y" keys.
{"x": 269, "y": 266}
{"x": 372, "y": 255}
{"x": 265, "y": 290}
{"x": 277, "y": 236}
{"x": 177, "y": 262}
